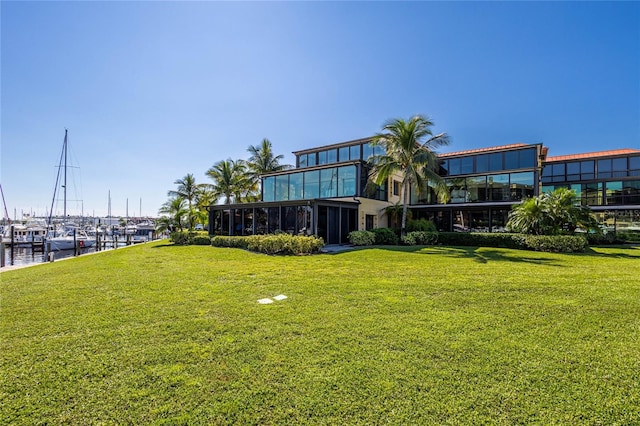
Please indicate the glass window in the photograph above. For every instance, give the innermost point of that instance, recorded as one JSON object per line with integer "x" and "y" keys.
{"x": 332, "y": 156}
{"x": 444, "y": 168}
{"x": 482, "y": 163}
{"x": 346, "y": 181}
{"x": 527, "y": 158}
{"x": 495, "y": 162}
{"x": 367, "y": 151}
{"x": 573, "y": 168}
{"x": 619, "y": 167}
{"x": 499, "y": 187}
{"x": 295, "y": 186}
{"x": 343, "y": 153}
{"x": 631, "y": 191}
{"x": 558, "y": 169}
{"x": 587, "y": 167}
{"x": 466, "y": 166}
{"x": 302, "y": 160}
{"x": 457, "y": 190}
{"x": 547, "y": 188}
{"x": 547, "y": 171}
{"x": 454, "y": 166}
{"x": 511, "y": 160}
{"x": 477, "y": 188}
{"x": 312, "y": 159}
{"x": 593, "y": 193}
{"x": 269, "y": 188}
{"x": 604, "y": 168}
{"x": 312, "y": 184}
{"x": 634, "y": 163}
{"x": 354, "y": 152}
{"x": 328, "y": 182}
{"x": 614, "y": 193}
{"x": 282, "y": 187}
{"x": 522, "y": 185}
{"x": 322, "y": 158}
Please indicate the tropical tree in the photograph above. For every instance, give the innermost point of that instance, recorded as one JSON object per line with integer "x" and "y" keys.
{"x": 261, "y": 161}
{"x": 187, "y": 189}
{"x": 554, "y": 213}
{"x": 409, "y": 154}
{"x": 174, "y": 214}
{"x": 230, "y": 180}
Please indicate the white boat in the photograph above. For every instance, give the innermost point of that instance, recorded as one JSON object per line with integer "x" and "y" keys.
{"x": 69, "y": 240}
{"x": 25, "y": 235}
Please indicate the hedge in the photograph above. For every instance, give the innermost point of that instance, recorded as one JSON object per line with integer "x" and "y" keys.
{"x": 284, "y": 244}
{"x": 361, "y": 238}
{"x": 187, "y": 238}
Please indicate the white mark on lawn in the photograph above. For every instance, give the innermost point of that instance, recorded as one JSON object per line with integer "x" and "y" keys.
{"x": 265, "y": 301}
{"x": 280, "y": 297}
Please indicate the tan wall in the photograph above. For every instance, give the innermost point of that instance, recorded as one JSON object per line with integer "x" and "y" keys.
{"x": 374, "y": 208}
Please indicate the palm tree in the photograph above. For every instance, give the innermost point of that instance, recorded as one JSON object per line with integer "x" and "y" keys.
{"x": 230, "y": 180}
{"x": 409, "y": 153}
{"x": 551, "y": 214}
{"x": 175, "y": 212}
{"x": 261, "y": 161}
{"x": 187, "y": 189}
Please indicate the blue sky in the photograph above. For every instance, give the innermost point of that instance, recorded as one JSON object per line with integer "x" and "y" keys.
{"x": 151, "y": 91}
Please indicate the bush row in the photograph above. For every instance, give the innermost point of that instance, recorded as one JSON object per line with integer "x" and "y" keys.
{"x": 556, "y": 243}
{"x": 284, "y": 244}
{"x": 190, "y": 238}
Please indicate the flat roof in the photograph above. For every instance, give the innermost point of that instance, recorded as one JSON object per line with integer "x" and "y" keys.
{"x": 609, "y": 153}
{"x": 489, "y": 149}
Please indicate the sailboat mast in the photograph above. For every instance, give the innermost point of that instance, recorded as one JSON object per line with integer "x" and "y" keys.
{"x": 65, "y": 174}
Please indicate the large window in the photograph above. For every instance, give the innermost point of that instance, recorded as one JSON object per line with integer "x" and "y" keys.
{"x": 296, "y": 186}
{"x": 614, "y": 193}
{"x": 521, "y": 185}
{"x": 282, "y": 187}
{"x": 312, "y": 184}
{"x": 328, "y": 183}
{"x": 477, "y": 188}
{"x": 493, "y": 162}
{"x": 346, "y": 181}
{"x": 499, "y": 187}
{"x": 269, "y": 188}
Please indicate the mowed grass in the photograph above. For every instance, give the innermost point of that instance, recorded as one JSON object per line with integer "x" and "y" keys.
{"x": 161, "y": 334}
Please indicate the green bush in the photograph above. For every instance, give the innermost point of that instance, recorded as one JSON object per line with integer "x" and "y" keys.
{"x": 420, "y": 238}
{"x": 285, "y": 244}
{"x": 179, "y": 237}
{"x": 554, "y": 243}
{"x": 548, "y": 243}
{"x": 200, "y": 240}
{"x": 281, "y": 243}
{"x": 385, "y": 236}
{"x": 361, "y": 238}
{"x": 422, "y": 225}
{"x": 232, "y": 242}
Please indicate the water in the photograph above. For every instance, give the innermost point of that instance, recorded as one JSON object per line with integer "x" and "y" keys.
{"x": 20, "y": 256}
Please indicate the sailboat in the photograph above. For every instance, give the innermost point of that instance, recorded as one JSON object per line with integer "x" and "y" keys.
{"x": 71, "y": 235}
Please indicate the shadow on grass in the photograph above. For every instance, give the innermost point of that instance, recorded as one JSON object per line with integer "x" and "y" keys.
{"x": 477, "y": 254}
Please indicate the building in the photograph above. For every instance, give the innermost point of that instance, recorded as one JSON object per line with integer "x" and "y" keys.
{"x": 329, "y": 193}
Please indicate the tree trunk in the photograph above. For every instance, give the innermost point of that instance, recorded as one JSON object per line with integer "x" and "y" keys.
{"x": 405, "y": 201}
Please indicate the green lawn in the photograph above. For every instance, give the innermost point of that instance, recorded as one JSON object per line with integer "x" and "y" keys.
{"x": 161, "y": 334}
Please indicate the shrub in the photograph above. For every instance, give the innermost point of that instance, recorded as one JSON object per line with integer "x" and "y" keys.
{"x": 420, "y": 238}
{"x": 548, "y": 243}
{"x": 385, "y": 236}
{"x": 554, "y": 243}
{"x": 285, "y": 244}
{"x": 179, "y": 237}
{"x": 232, "y": 242}
{"x": 361, "y": 238}
{"x": 200, "y": 240}
{"x": 422, "y": 225}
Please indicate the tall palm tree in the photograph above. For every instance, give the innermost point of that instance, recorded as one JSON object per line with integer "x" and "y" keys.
{"x": 187, "y": 190}
{"x": 175, "y": 212}
{"x": 409, "y": 153}
{"x": 261, "y": 161}
{"x": 229, "y": 180}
